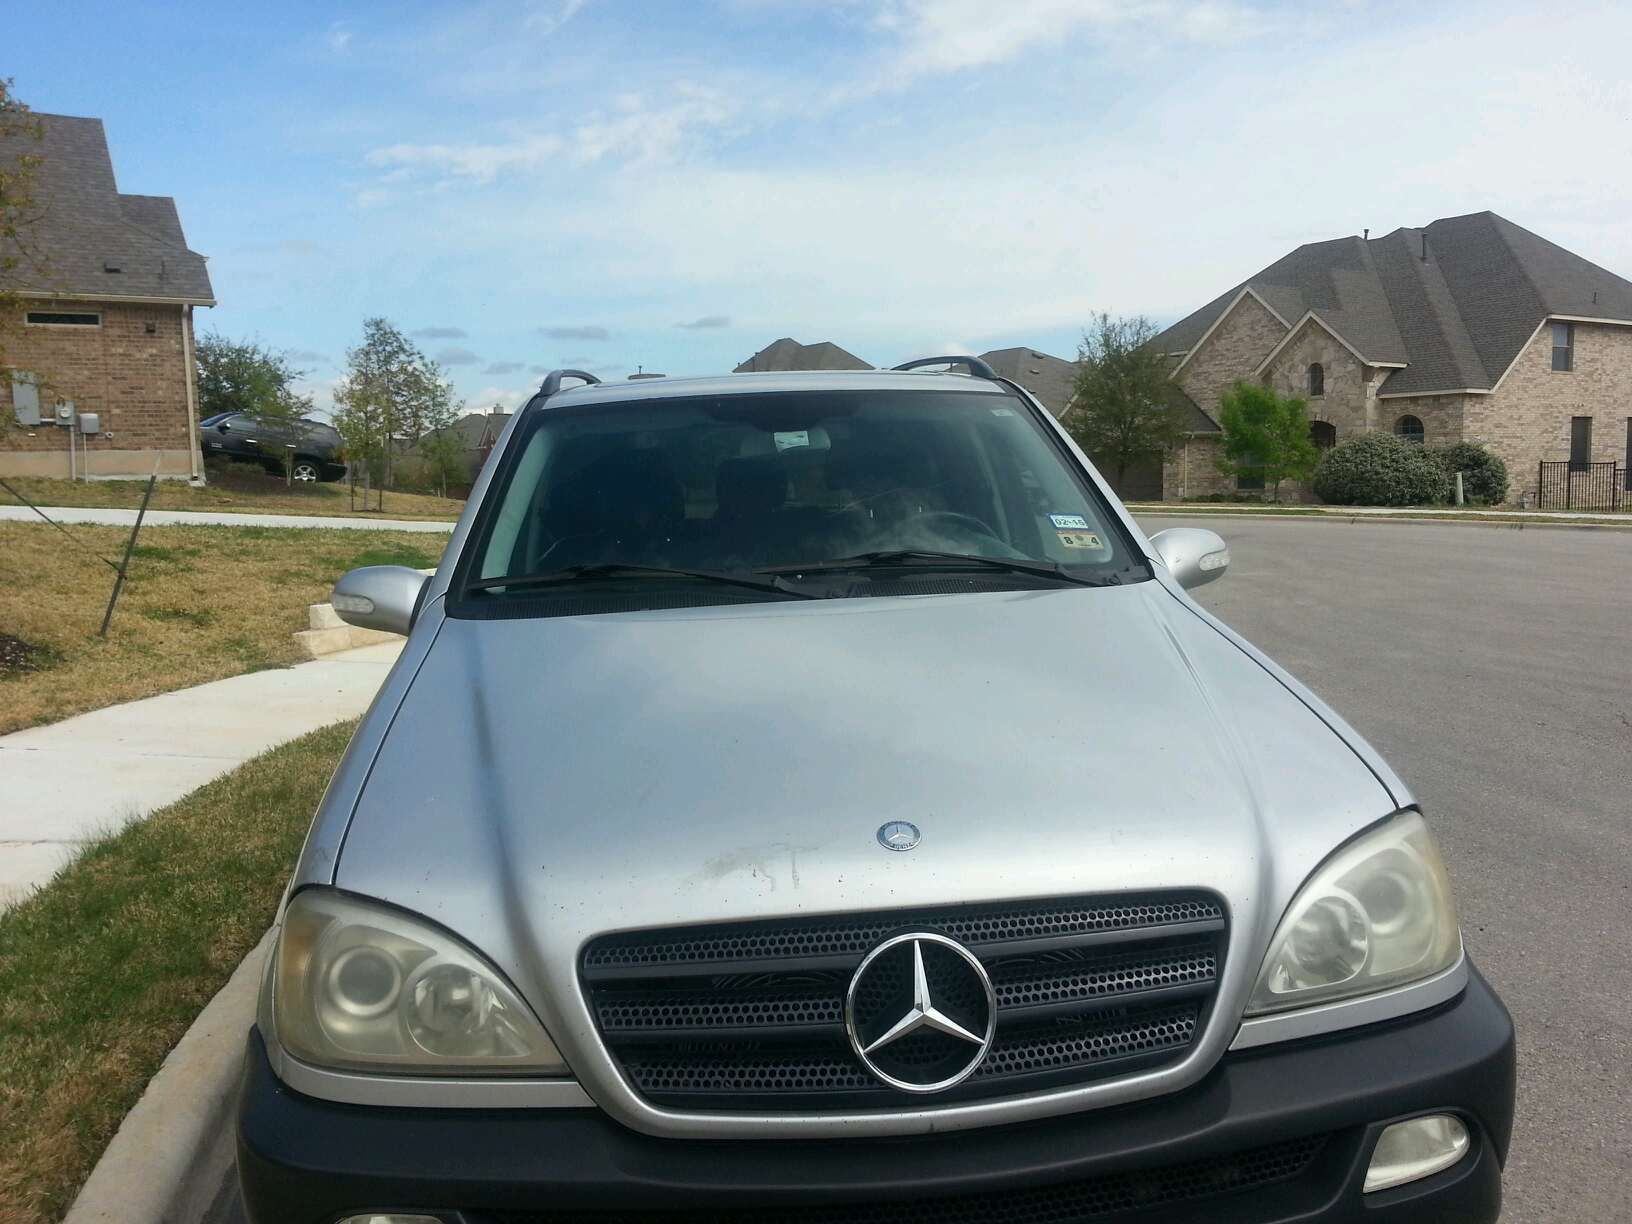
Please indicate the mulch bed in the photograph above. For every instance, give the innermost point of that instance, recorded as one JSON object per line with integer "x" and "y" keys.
{"x": 18, "y": 656}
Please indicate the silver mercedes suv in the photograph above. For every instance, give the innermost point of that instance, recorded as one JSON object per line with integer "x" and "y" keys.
{"x": 812, "y": 797}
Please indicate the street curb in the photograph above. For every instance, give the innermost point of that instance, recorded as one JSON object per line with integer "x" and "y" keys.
{"x": 172, "y": 1152}
{"x": 1403, "y": 520}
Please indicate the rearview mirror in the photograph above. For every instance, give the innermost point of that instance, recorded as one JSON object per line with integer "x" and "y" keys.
{"x": 382, "y": 597}
{"x": 1193, "y": 555}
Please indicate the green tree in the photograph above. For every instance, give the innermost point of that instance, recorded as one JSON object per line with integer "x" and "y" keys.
{"x": 390, "y": 397}
{"x": 1265, "y": 434}
{"x": 1122, "y": 409}
{"x": 440, "y": 447}
{"x": 246, "y": 376}
{"x": 19, "y": 210}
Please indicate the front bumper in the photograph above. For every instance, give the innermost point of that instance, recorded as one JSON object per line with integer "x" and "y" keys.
{"x": 1190, "y": 1155}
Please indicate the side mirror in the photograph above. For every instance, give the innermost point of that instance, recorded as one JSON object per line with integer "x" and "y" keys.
{"x": 379, "y": 597}
{"x": 224, "y": 427}
{"x": 1193, "y": 555}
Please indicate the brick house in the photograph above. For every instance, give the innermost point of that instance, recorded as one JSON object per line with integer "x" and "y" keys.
{"x": 106, "y": 322}
{"x": 788, "y": 354}
{"x": 1468, "y": 329}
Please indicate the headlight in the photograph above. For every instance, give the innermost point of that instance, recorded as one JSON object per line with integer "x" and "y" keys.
{"x": 366, "y": 987}
{"x": 1377, "y": 914}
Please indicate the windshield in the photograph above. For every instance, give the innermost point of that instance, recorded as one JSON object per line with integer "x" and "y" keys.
{"x": 771, "y": 483}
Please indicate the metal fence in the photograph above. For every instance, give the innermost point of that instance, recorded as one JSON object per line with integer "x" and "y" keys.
{"x": 1581, "y": 486}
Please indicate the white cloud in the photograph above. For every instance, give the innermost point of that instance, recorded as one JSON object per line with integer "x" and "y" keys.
{"x": 550, "y": 15}
{"x": 934, "y": 36}
{"x": 629, "y": 131}
{"x": 508, "y": 398}
{"x": 478, "y": 162}
{"x": 338, "y": 39}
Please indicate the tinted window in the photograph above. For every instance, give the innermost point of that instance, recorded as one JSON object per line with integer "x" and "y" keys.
{"x": 743, "y": 483}
{"x": 1563, "y": 346}
{"x": 1580, "y": 441}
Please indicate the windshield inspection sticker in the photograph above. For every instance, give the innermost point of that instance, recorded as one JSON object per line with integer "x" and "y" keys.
{"x": 791, "y": 439}
{"x": 1079, "y": 539}
{"x": 1069, "y": 522}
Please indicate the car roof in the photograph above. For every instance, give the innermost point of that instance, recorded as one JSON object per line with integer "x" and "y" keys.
{"x": 761, "y": 382}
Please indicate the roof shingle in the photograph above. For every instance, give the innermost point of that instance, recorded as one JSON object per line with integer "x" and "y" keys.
{"x": 788, "y": 354}
{"x": 1455, "y": 301}
{"x": 1053, "y": 380}
{"x": 87, "y": 227}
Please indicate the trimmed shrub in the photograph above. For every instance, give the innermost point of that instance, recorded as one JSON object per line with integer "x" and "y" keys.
{"x": 1484, "y": 475}
{"x": 1378, "y": 469}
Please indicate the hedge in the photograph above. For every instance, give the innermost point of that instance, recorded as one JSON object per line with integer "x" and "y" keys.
{"x": 1484, "y": 475}
{"x": 1379, "y": 469}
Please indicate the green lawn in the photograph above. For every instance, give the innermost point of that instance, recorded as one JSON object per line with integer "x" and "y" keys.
{"x": 201, "y": 603}
{"x": 104, "y": 969}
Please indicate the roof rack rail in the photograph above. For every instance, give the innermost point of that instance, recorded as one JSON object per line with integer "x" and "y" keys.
{"x": 552, "y": 381}
{"x": 975, "y": 365}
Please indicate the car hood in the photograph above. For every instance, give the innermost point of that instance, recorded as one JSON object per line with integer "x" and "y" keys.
{"x": 546, "y": 780}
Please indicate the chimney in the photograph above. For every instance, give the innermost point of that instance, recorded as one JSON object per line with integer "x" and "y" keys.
{"x": 1365, "y": 235}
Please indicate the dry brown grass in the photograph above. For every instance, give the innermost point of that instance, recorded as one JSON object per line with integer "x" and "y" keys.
{"x": 233, "y": 488}
{"x": 200, "y": 603}
{"x": 103, "y": 969}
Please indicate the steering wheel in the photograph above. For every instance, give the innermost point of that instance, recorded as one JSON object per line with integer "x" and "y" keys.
{"x": 954, "y": 518}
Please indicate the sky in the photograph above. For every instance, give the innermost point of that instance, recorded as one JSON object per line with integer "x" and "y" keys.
{"x": 640, "y": 184}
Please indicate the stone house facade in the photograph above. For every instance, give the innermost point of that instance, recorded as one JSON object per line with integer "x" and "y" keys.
{"x": 1469, "y": 329}
{"x": 105, "y": 322}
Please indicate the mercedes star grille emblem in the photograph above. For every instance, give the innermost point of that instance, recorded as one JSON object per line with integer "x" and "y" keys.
{"x": 898, "y": 835}
{"x": 920, "y": 1012}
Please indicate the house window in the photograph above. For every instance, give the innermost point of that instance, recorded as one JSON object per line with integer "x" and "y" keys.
{"x": 1410, "y": 428}
{"x": 1580, "y": 442}
{"x": 1563, "y": 346}
{"x": 1323, "y": 434}
{"x": 62, "y": 318}
{"x": 1317, "y": 380}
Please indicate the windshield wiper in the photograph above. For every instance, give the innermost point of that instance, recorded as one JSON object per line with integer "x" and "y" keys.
{"x": 886, "y": 558}
{"x": 620, "y": 569}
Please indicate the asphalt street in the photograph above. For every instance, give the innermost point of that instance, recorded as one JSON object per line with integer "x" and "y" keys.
{"x": 1492, "y": 666}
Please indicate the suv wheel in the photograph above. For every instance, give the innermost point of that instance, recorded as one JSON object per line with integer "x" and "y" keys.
{"x": 306, "y": 471}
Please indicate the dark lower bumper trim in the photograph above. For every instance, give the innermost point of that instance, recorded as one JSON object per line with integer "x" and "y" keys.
{"x": 307, "y": 1160}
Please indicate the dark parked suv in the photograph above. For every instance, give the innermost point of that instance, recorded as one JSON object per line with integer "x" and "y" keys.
{"x": 315, "y": 447}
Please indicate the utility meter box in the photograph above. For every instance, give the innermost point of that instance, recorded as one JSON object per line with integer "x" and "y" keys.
{"x": 90, "y": 423}
{"x": 25, "y": 398}
{"x": 65, "y": 412}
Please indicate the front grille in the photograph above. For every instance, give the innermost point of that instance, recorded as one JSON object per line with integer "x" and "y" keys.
{"x": 750, "y": 1016}
{"x": 1076, "y": 1202}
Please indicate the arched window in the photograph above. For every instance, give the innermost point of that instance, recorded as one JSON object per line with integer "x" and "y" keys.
{"x": 1323, "y": 434}
{"x": 1409, "y": 428}
{"x": 1317, "y": 379}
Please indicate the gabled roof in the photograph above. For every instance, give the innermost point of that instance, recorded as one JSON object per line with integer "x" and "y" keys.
{"x": 1051, "y": 379}
{"x": 478, "y": 429}
{"x": 788, "y": 354}
{"x": 1453, "y": 302}
{"x": 1195, "y": 418}
{"x": 87, "y": 227}
{"x": 1502, "y": 281}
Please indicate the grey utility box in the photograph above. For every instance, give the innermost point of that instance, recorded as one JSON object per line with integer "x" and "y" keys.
{"x": 25, "y": 398}
{"x": 90, "y": 423}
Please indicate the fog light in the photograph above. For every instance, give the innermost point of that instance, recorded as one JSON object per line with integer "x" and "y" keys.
{"x": 1419, "y": 1148}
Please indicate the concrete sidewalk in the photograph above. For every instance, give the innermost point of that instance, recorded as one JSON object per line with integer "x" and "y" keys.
{"x": 215, "y": 518}
{"x": 1452, "y": 513}
{"x": 76, "y": 780}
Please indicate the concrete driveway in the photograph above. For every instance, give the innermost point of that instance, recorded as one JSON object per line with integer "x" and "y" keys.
{"x": 1492, "y": 667}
